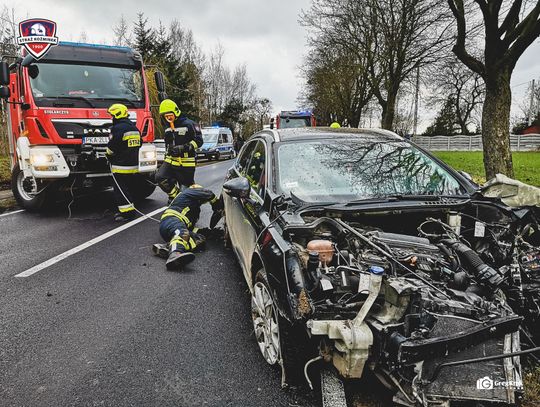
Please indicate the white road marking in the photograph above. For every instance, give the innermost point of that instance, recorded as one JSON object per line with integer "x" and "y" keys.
{"x": 11, "y": 213}
{"x": 85, "y": 245}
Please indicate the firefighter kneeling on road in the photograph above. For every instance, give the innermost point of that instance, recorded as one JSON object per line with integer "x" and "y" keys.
{"x": 177, "y": 226}
{"x": 182, "y": 137}
{"x": 123, "y": 155}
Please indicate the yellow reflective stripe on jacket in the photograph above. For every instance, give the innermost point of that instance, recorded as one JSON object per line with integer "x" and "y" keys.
{"x": 180, "y": 215}
{"x": 194, "y": 144}
{"x": 213, "y": 200}
{"x": 188, "y": 162}
{"x": 131, "y": 135}
{"x": 125, "y": 169}
{"x": 108, "y": 151}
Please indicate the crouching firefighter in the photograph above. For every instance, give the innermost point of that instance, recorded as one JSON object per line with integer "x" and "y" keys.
{"x": 177, "y": 226}
{"x": 182, "y": 137}
{"x": 123, "y": 155}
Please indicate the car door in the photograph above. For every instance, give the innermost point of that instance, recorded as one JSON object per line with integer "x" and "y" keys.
{"x": 246, "y": 220}
{"x": 233, "y": 209}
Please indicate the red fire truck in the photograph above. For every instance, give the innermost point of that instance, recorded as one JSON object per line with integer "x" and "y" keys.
{"x": 58, "y": 125}
{"x": 287, "y": 119}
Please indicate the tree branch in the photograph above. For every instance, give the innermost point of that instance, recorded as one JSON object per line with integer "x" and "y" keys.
{"x": 474, "y": 64}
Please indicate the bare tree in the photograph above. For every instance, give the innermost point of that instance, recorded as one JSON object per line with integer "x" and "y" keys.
{"x": 509, "y": 28}
{"x": 337, "y": 86}
{"x": 122, "y": 34}
{"x": 394, "y": 36}
{"x": 262, "y": 109}
{"x": 451, "y": 80}
{"x": 8, "y": 31}
{"x": 226, "y": 88}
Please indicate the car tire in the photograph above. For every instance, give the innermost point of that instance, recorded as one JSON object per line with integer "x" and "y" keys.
{"x": 25, "y": 199}
{"x": 280, "y": 342}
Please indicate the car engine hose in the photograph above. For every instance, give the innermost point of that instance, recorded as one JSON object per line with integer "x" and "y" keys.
{"x": 470, "y": 258}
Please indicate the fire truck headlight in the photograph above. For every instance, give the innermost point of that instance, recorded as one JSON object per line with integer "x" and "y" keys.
{"x": 39, "y": 159}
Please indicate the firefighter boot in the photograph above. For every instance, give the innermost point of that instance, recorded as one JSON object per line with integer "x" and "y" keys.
{"x": 177, "y": 260}
{"x": 161, "y": 250}
{"x": 197, "y": 242}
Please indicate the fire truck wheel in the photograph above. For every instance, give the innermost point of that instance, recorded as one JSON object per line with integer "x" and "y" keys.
{"x": 145, "y": 188}
{"x": 30, "y": 193}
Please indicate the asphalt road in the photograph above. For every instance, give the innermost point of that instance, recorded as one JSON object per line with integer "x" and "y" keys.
{"x": 109, "y": 326}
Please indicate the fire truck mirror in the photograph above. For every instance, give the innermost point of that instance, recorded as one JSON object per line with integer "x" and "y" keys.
{"x": 4, "y": 92}
{"x": 33, "y": 71}
{"x": 4, "y": 74}
{"x": 160, "y": 81}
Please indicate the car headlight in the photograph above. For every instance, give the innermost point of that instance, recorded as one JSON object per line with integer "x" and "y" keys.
{"x": 149, "y": 155}
{"x": 40, "y": 159}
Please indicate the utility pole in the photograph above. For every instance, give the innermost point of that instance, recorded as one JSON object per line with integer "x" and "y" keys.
{"x": 531, "y": 104}
{"x": 416, "y": 97}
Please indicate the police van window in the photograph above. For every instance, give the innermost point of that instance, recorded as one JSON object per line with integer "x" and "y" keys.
{"x": 221, "y": 139}
{"x": 255, "y": 173}
{"x": 243, "y": 159}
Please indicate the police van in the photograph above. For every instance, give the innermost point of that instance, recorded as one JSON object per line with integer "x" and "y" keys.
{"x": 217, "y": 143}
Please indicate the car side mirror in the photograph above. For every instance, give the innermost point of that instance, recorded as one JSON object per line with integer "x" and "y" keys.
{"x": 4, "y": 73}
{"x": 237, "y": 187}
{"x": 5, "y": 93}
{"x": 33, "y": 71}
{"x": 160, "y": 84}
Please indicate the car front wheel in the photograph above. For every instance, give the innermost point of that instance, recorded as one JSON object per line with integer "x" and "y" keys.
{"x": 280, "y": 342}
{"x": 265, "y": 320}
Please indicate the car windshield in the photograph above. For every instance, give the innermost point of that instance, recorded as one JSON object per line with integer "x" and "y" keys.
{"x": 294, "y": 122}
{"x": 210, "y": 137}
{"x": 341, "y": 171}
{"x": 98, "y": 85}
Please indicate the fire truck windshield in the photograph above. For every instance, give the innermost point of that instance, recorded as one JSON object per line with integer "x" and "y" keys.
{"x": 56, "y": 84}
{"x": 294, "y": 122}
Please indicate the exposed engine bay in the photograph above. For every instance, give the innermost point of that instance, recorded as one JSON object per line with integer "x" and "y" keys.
{"x": 423, "y": 298}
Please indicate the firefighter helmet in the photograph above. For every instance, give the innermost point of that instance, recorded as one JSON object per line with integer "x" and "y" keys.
{"x": 118, "y": 111}
{"x": 169, "y": 106}
{"x": 335, "y": 125}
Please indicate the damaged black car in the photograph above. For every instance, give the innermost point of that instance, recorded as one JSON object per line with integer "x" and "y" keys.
{"x": 365, "y": 254}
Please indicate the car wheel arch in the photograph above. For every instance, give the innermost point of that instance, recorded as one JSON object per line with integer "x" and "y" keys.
{"x": 256, "y": 265}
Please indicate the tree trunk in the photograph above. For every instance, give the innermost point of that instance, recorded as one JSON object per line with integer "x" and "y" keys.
{"x": 496, "y": 124}
{"x": 389, "y": 111}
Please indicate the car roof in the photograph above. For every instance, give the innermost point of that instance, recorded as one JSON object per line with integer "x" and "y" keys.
{"x": 318, "y": 133}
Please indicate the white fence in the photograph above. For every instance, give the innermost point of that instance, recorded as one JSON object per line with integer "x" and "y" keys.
{"x": 526, "y": 142}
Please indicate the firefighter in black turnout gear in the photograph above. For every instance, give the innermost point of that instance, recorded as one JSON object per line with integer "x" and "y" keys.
{"x": 123, "y": 155}
{"x": 182, "y": 137}
{"x": 177, "y": 226}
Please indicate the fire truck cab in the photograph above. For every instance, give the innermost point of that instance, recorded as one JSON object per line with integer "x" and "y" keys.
{"x": 58, "y": 125}
{"x": 288, "y": 119}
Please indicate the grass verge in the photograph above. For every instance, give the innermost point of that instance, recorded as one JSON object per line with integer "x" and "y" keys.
{"x": 5, "y": 172}
{"x": 526, "y": 164}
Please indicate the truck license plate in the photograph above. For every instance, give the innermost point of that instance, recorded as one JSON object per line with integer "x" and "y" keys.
{"x": 95, "y": 140}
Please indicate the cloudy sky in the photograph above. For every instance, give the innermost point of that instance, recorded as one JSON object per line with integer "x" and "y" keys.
{"x": 265, "y": 35}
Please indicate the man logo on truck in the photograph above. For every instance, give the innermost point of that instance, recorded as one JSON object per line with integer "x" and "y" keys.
{"x": 37, "y": 35}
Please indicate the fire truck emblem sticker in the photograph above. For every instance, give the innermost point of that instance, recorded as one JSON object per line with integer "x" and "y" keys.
{"x": 37, "y": 35}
